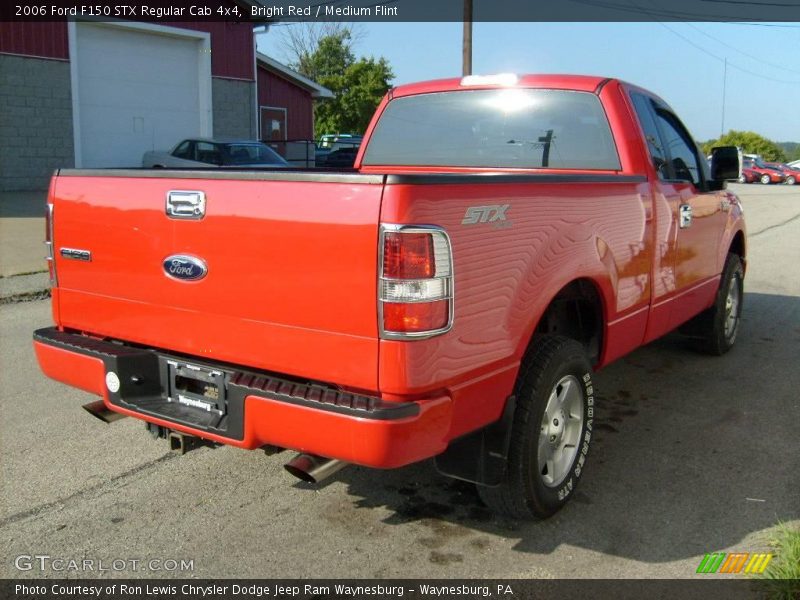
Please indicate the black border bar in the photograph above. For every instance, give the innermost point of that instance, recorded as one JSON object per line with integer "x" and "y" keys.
{"x": 271, "y": 11}
{"x": 387, "y": 589}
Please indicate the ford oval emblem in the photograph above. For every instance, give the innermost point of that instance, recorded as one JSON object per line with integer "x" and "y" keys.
{"x": 185, "y": 268}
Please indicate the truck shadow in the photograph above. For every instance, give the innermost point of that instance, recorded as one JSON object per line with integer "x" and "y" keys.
{"x": 22, "y": 204}
{"x": 692, "y": 454}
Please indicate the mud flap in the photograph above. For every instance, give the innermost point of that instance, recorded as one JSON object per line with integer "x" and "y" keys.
{"x": 481, "y": 456}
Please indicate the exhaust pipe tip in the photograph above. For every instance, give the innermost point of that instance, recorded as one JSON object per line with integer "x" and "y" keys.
{"x": 313, "y": 469}
{"x": 299, "y": 473}
{"x": 99, "y": 410}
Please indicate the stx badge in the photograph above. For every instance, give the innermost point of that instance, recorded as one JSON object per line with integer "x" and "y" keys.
{"x": 485, "y": 214}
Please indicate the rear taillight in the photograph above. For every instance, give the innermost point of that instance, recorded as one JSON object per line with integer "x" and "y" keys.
{"x": 48, "y": 241}
{"x": 415, "y": 289}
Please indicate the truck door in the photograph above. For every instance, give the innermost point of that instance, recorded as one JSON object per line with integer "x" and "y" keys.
{"x": 689, "y": 221}
{"x": 698, "y": 215}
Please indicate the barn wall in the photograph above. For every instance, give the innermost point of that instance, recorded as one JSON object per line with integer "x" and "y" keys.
{"x": 35, "y": 121}
{"x": 46, "y": 39}
{"x": 233, "y": 110}
{"x": 231, "y": 47}
{"x": 36, "y": 133}
{"x": 231, "y": 43}
{"x": 273, "y": 90}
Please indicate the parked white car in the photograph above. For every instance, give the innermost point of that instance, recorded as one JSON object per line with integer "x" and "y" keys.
{"x": 795, "y": 164}
{"x": 215, "y": 153}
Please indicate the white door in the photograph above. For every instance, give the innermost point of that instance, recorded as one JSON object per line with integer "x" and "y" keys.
{"x": 138, "y": 89}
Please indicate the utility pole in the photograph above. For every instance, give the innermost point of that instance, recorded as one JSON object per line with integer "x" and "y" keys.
{"x": 466, "y": 51}
{"x": 724, "y": 85}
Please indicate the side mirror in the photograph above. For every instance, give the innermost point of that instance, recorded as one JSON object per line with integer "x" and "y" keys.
{"x": 726, "y": 163}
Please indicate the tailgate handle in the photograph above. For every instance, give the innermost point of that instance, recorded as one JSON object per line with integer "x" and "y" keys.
{"x": 185, "y": 204}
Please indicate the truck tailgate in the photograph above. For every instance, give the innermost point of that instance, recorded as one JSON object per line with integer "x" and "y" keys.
{"x": 291, "y": 267}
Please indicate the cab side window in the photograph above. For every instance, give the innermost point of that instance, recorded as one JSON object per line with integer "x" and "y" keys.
{"x": 644, "y": 111}
{"x": 680, "y": 148}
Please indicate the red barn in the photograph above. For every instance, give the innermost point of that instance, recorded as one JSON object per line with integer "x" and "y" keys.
{"x": 286, "y": 101}
{"x": 100, "y": 94}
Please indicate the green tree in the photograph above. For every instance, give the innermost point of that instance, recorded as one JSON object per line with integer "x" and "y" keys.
{"x": 358, "y": 85}
{"x": 792, "y": 150}
{"x": 750, "y": 143}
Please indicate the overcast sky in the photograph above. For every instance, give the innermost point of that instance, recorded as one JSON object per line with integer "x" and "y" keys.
{"x": 681, "y": 62}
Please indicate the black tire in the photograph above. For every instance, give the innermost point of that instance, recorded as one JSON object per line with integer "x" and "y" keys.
{"x": 790, "y": 180}
{"x": 716, "y": 329}
{"x": 524, "y": 492}
{"x": 765, "y": 179}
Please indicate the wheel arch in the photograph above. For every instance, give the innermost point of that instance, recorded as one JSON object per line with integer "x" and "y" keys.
{"x": 738, "y": 246}
{"x": 577, "y": 311}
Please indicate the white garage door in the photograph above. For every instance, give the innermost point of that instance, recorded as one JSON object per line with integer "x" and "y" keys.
{"x": 137, "y": 90}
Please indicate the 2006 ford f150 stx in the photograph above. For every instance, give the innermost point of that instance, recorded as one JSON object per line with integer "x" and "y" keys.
{"x": 498, "y": 239}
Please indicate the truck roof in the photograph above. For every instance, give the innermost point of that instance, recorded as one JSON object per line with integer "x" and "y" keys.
{"x": 583, "y": 83}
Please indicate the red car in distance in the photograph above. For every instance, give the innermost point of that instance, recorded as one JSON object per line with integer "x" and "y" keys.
{"x": 754, "y": 170}
{"x": 791, "y": 174}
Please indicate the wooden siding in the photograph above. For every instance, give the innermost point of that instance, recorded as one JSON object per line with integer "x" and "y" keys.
{"x": 231, "y": 47}
{"x": 46, "y": 39}
{"x": 274, "y": 90}
{"x": 231, "y": 43}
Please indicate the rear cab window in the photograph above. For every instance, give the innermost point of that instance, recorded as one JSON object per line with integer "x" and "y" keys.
{"x": 498, "y": 128}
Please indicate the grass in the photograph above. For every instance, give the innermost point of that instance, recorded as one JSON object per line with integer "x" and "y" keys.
{"x": 782, "y": 577}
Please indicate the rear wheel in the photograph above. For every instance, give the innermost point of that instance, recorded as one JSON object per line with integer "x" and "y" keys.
{"x": 719, "y": 325}
{"x": 551, "y": 431}
{"x": 790, "y": 180}
{"x": 765, "y": 179}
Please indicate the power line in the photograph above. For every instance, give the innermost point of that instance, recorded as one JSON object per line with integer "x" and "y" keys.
{"x": 751, "y": 24}
{"x": 751, "y": 3}
{"x": 653, "y": 13}
{"x": 742, "y": 52}
{"x": 722, "y": 60}
{"x": 658, "y": 12}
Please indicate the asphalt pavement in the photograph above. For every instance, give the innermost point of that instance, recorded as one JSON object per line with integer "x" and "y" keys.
{"x": 694, "y": 454}
{"x": 21, "y": 233}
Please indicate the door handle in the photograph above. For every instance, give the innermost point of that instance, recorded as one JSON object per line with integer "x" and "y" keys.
{"x": 184, "y": 204}
{"x": 685, "y": 214}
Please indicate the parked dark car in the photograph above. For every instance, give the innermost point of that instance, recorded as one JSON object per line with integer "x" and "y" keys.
{"x": 327, "y": 153}
{"x": 342, "y": 158}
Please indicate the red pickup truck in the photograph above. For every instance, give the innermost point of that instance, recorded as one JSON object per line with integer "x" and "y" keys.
{"x": 498, "y": 239}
